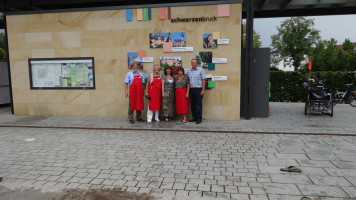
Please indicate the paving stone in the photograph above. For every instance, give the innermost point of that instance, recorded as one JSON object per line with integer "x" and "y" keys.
{"x": 258, "y": 197}
{"x": 179, "y": 186}
{"x": 275, "y": 188}
{"x": 144, "y": 190}
{"x": 329, "y": 180}
{"x": 240, "y": 197}
{"x": 244, "y": 190}
{"x": 223, "y": 195}
{"x": 351, "y": 191}
{"x": 290, "y": 178}
{"x": 231, "y": 189}
{"x": 132, "y": 189}
{"x": 209, "y": 194}
{"x": 191, "y": 186}
{"x": 197, "y": 194}
{"x": 283, "y": 197}
{"x": 317, "y": 190}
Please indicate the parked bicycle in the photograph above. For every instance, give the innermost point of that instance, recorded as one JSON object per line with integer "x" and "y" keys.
{"x": 349, "y": 96}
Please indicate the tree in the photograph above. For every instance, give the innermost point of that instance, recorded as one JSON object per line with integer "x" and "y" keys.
{"x": 327, "y": 56}
{"x": 349, "y": 55}
{"x": 348, "y": 45}
{"x": 294, "y": 39}
{"x": 256, "y": 37}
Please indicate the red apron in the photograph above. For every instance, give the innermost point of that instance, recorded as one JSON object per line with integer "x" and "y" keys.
{"x": 136, "y": 93}
{"x": 155, "y": 92}
{"x": 182, "y": 103}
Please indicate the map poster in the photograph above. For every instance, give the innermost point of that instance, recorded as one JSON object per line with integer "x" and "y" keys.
{"x": 62, "y": 73}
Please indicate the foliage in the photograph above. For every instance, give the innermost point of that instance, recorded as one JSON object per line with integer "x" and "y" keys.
{"x": 327, "y": 56}
{"x": 275, "y": 60}
{"x": 348, "y": 45}
{"x": 294, "y": 39}
{"x": 256, "y": 38}
{"x": 288, "y": 86}
{"x": 3, "y": 55}
{"x": 2, "y": 41}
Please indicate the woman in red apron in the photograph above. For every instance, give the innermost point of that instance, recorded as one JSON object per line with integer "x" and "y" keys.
{"x": 154, "y": 94}
{"x": 182, "y": 94}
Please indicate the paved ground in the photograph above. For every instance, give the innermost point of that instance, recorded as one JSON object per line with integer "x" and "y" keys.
{"x": 284, "y": 118}
{"x": 188, "y": 162}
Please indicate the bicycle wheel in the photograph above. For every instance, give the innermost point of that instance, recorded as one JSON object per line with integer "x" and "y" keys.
{"x": 306, "y": 108}
{"x": 336, "y": 99}
{"x": 352, "y": 100}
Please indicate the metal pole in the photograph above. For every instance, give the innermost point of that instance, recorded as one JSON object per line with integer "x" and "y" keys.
{"x": 8, "y": 62}
{"x": 249, "y": 57}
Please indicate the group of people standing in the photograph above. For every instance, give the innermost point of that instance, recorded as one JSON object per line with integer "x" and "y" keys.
{"x": 167, "y": 92}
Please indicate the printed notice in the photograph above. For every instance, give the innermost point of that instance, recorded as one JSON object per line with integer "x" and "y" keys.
{"x": 182, "y": 49}
{"x": 223, "y": 41}
{"x": 219, "y": 78}
{"x": 147, "y": 59}
{"x": 219, "y": 60}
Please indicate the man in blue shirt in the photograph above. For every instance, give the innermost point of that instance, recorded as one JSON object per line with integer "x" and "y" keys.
{"x": 134, "y": 80}
{"x": 196, "y": 77}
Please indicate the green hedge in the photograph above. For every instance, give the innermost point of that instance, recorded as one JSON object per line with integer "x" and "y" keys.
{"x": 288, "y": 86}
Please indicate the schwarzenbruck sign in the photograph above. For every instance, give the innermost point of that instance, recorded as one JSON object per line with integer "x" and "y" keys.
{"x": 194, "y": 19}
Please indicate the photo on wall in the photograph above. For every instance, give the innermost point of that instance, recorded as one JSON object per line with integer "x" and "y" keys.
{"x": 209, "y": 42}
{"x": 157, "y": 39}
{"x": 174, "y": 61}
{"x": 179, "y": 39}
{"x": 132, "y": 57}
{"x": 203, "y": 58}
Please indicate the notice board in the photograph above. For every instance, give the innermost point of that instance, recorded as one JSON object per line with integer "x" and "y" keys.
{"x": 62, "y": 73}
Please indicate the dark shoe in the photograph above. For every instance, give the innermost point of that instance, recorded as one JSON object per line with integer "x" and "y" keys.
{"x": 131, "y": 121}
{"x": 198, "y": 122}
{"x": 140, "y": 120}
{"x": 192, "y": 120}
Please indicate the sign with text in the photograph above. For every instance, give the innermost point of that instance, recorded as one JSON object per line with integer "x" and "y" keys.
{"x": 223, "y": 41}
{"x": 147, "y": 59}
{"x": 181, "y": 49}
{"x": 219, "y": 60}
{"x": 219, "y": 78}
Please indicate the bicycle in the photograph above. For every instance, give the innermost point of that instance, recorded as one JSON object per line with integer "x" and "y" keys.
{"x": 349, "y": 96}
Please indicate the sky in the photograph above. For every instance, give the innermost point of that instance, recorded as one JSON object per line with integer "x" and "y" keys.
{"x": 339, "y": 27}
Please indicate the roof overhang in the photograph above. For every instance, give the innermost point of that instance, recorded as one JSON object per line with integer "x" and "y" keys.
{"x": 263, "y": 8}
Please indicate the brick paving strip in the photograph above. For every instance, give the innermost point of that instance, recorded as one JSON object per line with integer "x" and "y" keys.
{"x": 179, "y": 130}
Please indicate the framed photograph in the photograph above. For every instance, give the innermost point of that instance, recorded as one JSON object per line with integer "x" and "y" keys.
{"x": 209, "y": 42}
{"x": 174, "y": 61}
{"x": 203, "y": 58}
{"x": 62, "y": 73}
{"x": 157, "y": 39}
{"x": 179, "y": 39}
{"x": 132, "y": 57}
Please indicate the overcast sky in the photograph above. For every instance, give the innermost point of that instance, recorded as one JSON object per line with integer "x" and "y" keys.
{"x": 339, "y": 27}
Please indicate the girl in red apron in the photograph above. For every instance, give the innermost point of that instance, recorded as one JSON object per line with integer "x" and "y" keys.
{"x": 182, "y": 94}
{"x": 154, "y": 94}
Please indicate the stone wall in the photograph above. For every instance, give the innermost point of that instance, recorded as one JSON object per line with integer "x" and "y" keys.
{"x": 108, "y": 37}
